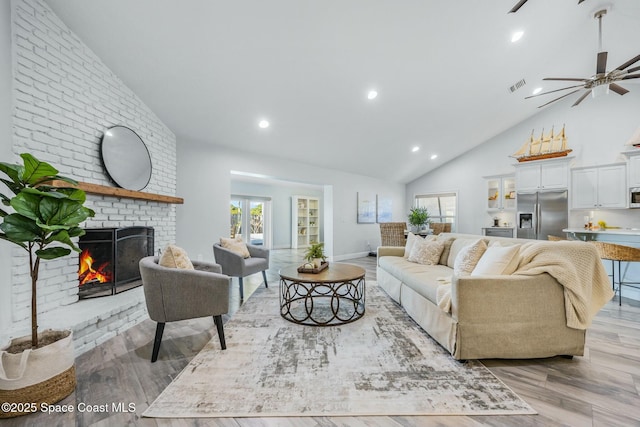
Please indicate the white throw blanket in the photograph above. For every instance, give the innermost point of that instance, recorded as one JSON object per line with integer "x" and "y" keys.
{"x": 443, "y": 293}
{"x": 577, "y": 267}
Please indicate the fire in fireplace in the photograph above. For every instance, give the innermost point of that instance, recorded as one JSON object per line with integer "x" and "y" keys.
{"x": 108, "y": 263}
{"x": 88, "y": 273}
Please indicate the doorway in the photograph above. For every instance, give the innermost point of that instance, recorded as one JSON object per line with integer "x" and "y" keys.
{"x": 250, "y": 218}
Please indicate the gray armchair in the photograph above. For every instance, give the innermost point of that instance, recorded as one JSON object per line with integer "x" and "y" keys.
{"x": 175, "y": 294}
{"x": 236, "y": 266}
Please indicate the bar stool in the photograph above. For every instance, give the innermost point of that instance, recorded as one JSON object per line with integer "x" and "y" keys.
{"x": 553, "y": 238}
{"x": 618, "y": 254}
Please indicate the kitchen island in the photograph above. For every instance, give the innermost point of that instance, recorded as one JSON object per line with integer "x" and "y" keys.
{"x": 623, "y": 236}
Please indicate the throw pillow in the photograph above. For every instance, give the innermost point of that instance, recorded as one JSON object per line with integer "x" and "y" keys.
{"x": 411, "y": 240}
{"x": 448, "y": 241}
{"x": 236, "y": 246}
{"x": 497, "y": 260}
{"x": 175, "y": 257}
{"x": 457, "y": 245}
{"x": 468, "y": 257}
{"x": 426, "y": 252}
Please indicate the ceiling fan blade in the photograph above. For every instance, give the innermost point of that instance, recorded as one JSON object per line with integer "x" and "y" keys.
{"x": 579, "y": 100}
{"x": 551, "y": 91}
{"x": 566, "y": 94}
{"x": 580, "y": 1}
{"x": 633, "y": 70}
{"x": 633, "y": 76}
{"x": 601, "y": 66}
{"x": 566, "y": 79}
{"x": 518, "y": 6}
{"x": 629, "y": 63}
{"x": 618, "y": 89}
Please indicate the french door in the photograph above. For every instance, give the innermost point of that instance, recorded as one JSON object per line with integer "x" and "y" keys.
{"x": 251, "y": 219}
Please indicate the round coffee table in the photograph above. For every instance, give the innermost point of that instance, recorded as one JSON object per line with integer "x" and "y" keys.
{"x": 334, "y": 296}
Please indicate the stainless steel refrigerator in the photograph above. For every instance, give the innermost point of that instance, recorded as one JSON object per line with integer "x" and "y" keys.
{"x": 542, "y": 214}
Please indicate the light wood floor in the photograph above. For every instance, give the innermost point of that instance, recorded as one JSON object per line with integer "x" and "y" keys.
{"x": 600, "y": 389}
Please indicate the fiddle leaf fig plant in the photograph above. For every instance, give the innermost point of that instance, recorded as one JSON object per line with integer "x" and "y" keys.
{"x": 45, "y": 217}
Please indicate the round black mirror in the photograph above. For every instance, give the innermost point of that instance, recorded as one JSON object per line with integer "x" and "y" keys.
{"x": 126, "y": 158}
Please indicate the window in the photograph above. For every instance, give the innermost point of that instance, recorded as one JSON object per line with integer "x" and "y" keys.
{"x": 442, "y": 207}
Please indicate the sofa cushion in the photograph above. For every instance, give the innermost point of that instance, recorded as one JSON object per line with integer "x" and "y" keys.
{"x": 468, "y": 257}
{"x": 426, "y": 252}
{"x": 498, "y": 260}
{"x": 421, "y": 278}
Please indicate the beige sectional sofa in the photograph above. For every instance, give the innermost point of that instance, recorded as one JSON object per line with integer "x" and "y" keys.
{"x": 512, "y": 316}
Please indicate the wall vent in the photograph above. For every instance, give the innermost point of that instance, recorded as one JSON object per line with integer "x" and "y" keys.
{"x": 517, "y": 86}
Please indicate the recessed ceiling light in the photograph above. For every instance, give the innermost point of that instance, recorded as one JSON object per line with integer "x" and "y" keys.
{"x": 415, "y": 149}
{"x": 434, "y": 156}
{"x": 516, "y": 36}
{"x": 537, "y": 90}
{"x": 372, "y": 94}
{"x": 263, "y": 124}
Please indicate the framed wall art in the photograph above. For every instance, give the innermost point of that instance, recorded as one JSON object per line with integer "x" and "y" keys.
{"x": 383, "y": 209}
{"x": 366, "y": 208}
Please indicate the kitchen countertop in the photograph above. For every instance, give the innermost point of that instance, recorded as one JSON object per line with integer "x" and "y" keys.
{"x": 619, "y": 231}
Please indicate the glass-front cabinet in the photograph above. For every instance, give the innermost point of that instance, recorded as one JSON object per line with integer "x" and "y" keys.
{"x": 501, "y": 192}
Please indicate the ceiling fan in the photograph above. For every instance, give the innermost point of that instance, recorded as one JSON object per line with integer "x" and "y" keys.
{"x": 522, "y": 2}
{"x": 602, "y": 81}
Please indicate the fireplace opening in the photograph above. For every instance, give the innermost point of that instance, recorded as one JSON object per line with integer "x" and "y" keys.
{"x": 108, "y": 262}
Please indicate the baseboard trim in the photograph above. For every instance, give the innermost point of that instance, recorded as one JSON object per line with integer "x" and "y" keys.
{"x": 349, "y": 256}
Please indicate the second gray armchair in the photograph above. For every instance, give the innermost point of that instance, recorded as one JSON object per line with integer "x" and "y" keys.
{"x": 173, "y": 294}
{"x": 237, "y": 266}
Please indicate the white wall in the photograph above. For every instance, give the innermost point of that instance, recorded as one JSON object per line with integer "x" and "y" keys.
{"x": 597, "y": 130}
{"x": 204, "y": 182}
{"x": 6, "y": 155}
{"x": 64, "y": 98}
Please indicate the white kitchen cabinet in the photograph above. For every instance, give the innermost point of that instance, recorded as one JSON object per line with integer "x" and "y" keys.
{"x": 542, "y": 175}
{"x": 501, "y": 192}
{"x": 599, "y": 187}
{"x": 305, "y": 221}
{"x": 634, "y": 169}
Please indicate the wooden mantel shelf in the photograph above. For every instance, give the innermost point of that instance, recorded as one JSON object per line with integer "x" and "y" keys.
{"x": 103, "y": 190}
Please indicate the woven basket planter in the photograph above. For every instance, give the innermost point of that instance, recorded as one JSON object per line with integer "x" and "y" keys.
{"x": 44, "y": 375}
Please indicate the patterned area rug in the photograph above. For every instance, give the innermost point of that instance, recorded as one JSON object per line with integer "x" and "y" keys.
{"x": 382, "y": 364}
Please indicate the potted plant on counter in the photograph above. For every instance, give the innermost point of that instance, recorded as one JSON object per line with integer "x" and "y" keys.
{"x": 315, "y": 254}
{"x": 418, "y": 217}
{"x": 40, "y": 368}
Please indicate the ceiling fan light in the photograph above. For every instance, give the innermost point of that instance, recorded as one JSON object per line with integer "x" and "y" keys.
{"x": 536, "y": 91}
{"x": 600, "y": 90}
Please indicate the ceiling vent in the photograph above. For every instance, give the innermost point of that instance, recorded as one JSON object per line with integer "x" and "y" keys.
{"x": 517, "y": 86}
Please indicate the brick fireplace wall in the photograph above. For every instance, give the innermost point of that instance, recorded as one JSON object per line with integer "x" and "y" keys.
{"x": 64, "y": 98}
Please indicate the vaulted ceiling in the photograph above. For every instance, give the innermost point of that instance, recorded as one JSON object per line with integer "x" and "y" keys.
{"x": 211, "y": 70}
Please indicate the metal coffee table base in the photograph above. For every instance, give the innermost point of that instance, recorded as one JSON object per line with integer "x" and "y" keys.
{"x": 323, "y": 303}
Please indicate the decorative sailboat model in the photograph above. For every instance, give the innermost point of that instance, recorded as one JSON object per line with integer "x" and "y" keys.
{"x": 545, "y": 147}
{"x": 635, "y": 140}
